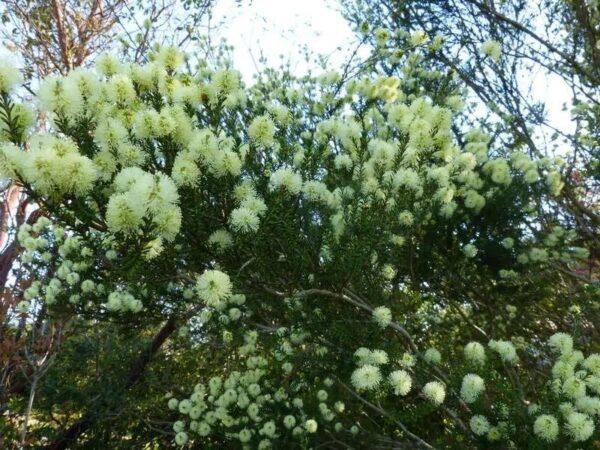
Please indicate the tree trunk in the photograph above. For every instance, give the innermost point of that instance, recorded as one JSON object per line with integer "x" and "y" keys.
{"x": 136, "y": 373}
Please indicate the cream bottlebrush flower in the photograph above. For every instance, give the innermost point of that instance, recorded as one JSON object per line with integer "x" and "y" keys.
{"x": 435, "y": 392}
{"x": 505, "y": 349}
{"x": 167, "y": 222}
{"x": 507, "y": 243}
{"x": 400, "y": 381}
{"x": 78, "y": 174}
{"x": 10, "y": 76}
{"x": 226, "y": 81}
{"x": 129, "y": 177}
{"x": 592, "y": 363}
{"x": 55, "y": 167}
{"x": 366, "y": 377}
{"x": 574, "y": 388}
{"x": 214, "y": 287}
{"x": 588, "y": 405}
{"x": 160, "y": 194}
{"x": 286, "y": 179}
{"x": 111, "y": 134}
{"x": 343, "y": 161}
{"x": 254, "y": 204}
{"x": 316, "y": 191}
{"x": 170, "y": 58}
{"x": 545, "y": 427}
{"x": 280, "y": 113}
{"x": 418, "y": 37}
{"x": 579, "y": 427}
{"x": 406, "y": 218}
{"x": 262, "y": 131}
{"x": 153, "y": 249}
{"x": 120, "y": 90}
{"x": 87, "y": 82}
{"x": 531, "y": 176}
{"x": 432, "y": 356}
{"x": 500, "y": 171}
{"x": 374, "y": 357}
{"x": 554, "y": 182}
{"x": 230, "y": 163}
{"x": 244, "y": 220}
{"x": 145, "y": 124}
{"x": 185, "y": 171}
{"x": 61, "y": 96}
{"x": 563, "y": 369}
{"x": 245, "y": 435}
{"x": 311, "y": 425}
{"x": 381, "y": 36}
{"x": 479, "y": 425}
{"x": 269, "y": 429}
{"x": 130, "y": 155}
{"x": 469, "y": 250}
{"x": 475, "y": 353}
{"x": 493, "y": 49}
{"x": 383, "y": 152}
{"x": 407, "y": 361}
{"x": 289, "y": 422}
{"x": 108, "y": 64}
{"x": 166, "y": 123}
{"x": 378, "y": 357}
{"x": 124, "y": 213}
{"x": 12, "y": 160}
{"x": 203, "y": 429}
{"x": 181, "y": 438}
{"x": 221, "y": 239}
{"x": 472, "y": 386}
{"x": 382, "y": 316}
{"x": 474, "y": 201}
{"x": 561, "y": 343}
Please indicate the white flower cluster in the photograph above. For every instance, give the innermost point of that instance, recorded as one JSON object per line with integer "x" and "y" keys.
{"x": 472, "y": 387}
{"x": 493, "y": 49}
{"x": 140, "y": 196}
{"x": 382, "y": 316}
{"x": 53, "y": 167}
{"x": 10, "y": 76}
{"x": 249, "y": 406}
{"x": 214, "y": 287}
{"x": 505, "y": 349}
{"x": 72, "y": 266}
{"x": 435, "y": 392}
{"x": 579, "y": 388}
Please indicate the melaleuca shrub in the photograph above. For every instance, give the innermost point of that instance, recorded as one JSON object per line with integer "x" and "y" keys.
{"x": 335, "y": 245}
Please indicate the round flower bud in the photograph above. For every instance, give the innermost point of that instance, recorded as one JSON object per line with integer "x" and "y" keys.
{"x": 435, "y": 392}
{"x": 545, "y": 427}
{"x": 311, "y": 426}
{"x": 382, "y": 316}
{"x": 181, "y": 438}
{"x": 479, "y": 425}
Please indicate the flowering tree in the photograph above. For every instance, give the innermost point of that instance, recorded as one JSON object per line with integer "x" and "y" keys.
{"x": 505, "y": 53}
{"x": 339, "y": 269}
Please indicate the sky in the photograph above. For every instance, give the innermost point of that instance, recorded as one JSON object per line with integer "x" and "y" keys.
{"x": 281, "y": 27}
